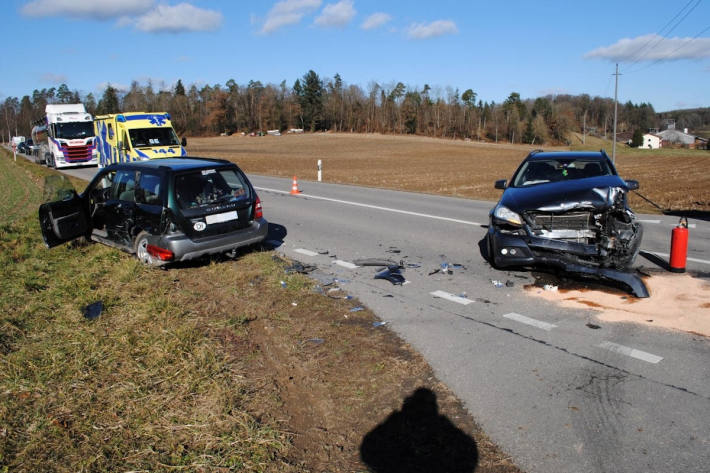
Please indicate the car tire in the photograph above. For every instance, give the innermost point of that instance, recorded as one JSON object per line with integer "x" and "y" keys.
{"x": 140, "y": 247}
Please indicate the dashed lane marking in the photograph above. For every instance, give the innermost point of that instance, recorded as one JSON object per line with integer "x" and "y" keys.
{"x": 530, "y": 321}
{"x": 306, "y": 252}
{"x": 632, "y": 352}
{"x": 658, "y": 222}
{"x": 375, "y": 207}
{"x": 451, "y": 297}
{"x": 345, "y": 264}
{"x": 650, "y": 221}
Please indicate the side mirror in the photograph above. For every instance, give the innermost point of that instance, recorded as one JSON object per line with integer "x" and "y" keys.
{"x": 183, "y": 142}
{"x": 632, "y": 184}
{"x": 501, "y": 184}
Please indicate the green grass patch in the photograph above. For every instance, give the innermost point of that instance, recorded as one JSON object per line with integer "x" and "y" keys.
{"x": 146, "y": 386}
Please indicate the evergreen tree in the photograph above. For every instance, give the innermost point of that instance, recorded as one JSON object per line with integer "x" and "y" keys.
{"x": 637, "y": 139}
{"x": 108, "y": 102}
{"x": 179, "y": 88}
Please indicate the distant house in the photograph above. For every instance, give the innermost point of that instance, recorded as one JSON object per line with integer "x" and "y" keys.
{"x": 651, "y": 141}
{"x": 672, "y": 137}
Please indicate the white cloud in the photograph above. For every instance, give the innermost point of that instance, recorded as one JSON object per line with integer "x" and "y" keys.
{"x": 431, "y": 30}
{"x": 54, "y": 78}
{"x": 288, "y": 12}
{"x": 652, "y": 47}
{"x": 336, "y": 14}
{"x": 93, "y": 9}
{"x": 375, "y": 21}
{"x": 179, "y": 18}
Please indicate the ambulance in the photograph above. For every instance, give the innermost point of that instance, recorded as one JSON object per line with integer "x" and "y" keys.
{"x": 136, "y": 136}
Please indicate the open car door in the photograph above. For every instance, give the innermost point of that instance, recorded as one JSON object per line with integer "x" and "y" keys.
{"x": 63, "y": 215}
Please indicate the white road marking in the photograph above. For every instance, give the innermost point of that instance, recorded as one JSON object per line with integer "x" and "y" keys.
{"x": 306, "y": 252}
{"x": 632, "y": 352}
{"x": 666, "y": 255}
{"x": 530, "y": 321}
{"x": 376, "y": 207}
{"x": 690, "y": 225}
{"x": 345, "y": 264}
{"x": 451, "y": 297}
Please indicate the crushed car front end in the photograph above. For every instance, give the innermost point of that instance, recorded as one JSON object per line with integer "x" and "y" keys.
{"x": 568, "y": 224}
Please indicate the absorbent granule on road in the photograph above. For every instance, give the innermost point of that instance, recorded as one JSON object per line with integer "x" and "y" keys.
{"x": 680, "y": 302}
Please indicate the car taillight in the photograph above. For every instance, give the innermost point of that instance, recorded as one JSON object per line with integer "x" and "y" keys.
{"x": 258, "y": 212}
{"x": 161, "y": 253}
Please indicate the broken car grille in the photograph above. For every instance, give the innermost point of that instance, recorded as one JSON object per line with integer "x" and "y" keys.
{"x": 567, "y": 221}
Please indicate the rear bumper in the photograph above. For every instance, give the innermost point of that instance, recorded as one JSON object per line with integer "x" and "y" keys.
{"x": 186, "y": 249}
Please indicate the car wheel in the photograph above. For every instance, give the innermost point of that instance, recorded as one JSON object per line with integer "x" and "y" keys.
{"x": 141, "y": 248}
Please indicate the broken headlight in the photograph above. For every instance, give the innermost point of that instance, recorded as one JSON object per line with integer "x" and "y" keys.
{"x": 505, "y": 214}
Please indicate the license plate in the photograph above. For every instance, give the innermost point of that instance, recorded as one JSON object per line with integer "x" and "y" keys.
{"x": 223, "y": 217}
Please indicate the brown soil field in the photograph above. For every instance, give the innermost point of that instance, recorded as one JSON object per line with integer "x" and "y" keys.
{"x": 675, "y": 179}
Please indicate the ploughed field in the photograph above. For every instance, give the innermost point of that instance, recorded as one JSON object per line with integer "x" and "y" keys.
{"x": 673, "y": 179}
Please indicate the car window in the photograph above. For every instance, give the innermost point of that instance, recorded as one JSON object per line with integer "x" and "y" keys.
{"x": 210, "y": 186}
{"x": 540, "y": 171}
{"x": 148, "y": 190}
{"x": 124, "y": 186}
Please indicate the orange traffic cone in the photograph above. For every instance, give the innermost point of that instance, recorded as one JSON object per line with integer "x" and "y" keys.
{"x": 294, "y": 187}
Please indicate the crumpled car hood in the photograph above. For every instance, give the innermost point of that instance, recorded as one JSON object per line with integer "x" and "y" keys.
{"x": 591, "y": 193}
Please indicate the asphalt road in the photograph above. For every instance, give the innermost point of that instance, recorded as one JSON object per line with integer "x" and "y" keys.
{"x": 554, "y": 394}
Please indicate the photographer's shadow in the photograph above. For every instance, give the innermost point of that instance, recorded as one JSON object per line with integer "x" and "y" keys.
{"x": 418, "y": 439}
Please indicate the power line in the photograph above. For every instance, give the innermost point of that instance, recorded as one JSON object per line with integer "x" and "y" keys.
{"x": 638, "y": 55}
{"x": 670, "y": 54}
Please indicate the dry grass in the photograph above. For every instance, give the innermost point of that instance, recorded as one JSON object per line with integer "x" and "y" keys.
{"x": 674, "y": 179}
{"x": 203, "y": 367}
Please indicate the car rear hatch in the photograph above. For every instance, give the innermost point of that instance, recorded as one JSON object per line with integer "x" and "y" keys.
{"x": 214, "y": 202}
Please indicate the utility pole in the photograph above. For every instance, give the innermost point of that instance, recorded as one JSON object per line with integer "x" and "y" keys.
{"x": 616, "y": 95}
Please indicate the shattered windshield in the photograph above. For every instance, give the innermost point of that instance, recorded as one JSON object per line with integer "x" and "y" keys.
{"x": 57, "y": 188}
{"x": 147, "y": 137}
{"x": 539, "y": 171}
{"x": 74, "y": 130}
{"x": 209, "y": 187}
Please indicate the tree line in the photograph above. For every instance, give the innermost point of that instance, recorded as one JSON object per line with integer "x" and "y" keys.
{"x": 313, "y": 103}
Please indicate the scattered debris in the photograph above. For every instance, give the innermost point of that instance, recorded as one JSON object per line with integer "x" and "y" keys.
{"x": 316, "y": 341}
{"x": 323, "y": 252}
{"x": 283, "y": 283}
{"x": 445, "y": 268}
{"x": 344, "y": 281}
{"x": 435, "y": 271}
{"x": 393, "y": 249}
{"x": 318, "y": 290}
{"x": 393, "y": 274}
{"x": 388, "y": 295}
{"x": 298, "y": 267}
{"x": 357, "y": 309}
{"x": 497, "y": 283}
{"x": 92, "y": 311}
{"x": 593, "y": 326}
{"x": 458, "y": 266}
{"x": 376, "y": 262}
{"x": 550, "y": 287}
{"x": 295, "y": 304}
{"x": 379, "y": 324}
{"x": 509, "y": 283}
{"x": 413, "y": 265}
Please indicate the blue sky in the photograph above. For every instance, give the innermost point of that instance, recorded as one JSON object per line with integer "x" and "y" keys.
{"x": 492, "y": 47}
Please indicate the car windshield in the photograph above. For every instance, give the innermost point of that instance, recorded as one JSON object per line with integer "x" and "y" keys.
{"x": 74, "y": 130}
{"x": 147, "y": 137}
{"x": 539, "y": 171}
{"x": 209, "y": 187}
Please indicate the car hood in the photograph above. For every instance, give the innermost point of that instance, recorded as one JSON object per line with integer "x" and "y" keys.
{"x": 598, "y": 193}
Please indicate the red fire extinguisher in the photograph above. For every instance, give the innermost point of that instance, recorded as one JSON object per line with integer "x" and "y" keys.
{"x": 679, "y": 246}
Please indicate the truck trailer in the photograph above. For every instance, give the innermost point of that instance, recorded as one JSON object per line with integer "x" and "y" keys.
{"x": 64, "y": 137}
{"x": 136, "y": 136}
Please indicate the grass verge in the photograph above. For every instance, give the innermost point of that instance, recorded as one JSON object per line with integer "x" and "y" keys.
{"x": 212, "y": 366}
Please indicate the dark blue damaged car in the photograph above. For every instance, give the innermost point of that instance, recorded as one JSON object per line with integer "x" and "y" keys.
{"x": 566, "y": 210}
